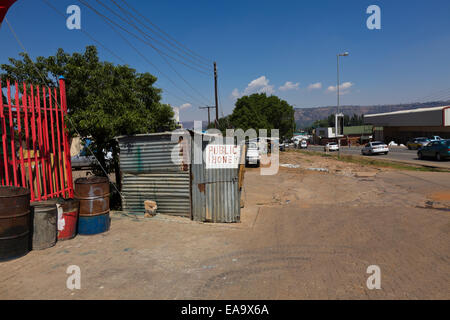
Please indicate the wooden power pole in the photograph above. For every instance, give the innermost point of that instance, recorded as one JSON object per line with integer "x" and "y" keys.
{"x": 217, "y": 99}
{"x": 209, "y": 114}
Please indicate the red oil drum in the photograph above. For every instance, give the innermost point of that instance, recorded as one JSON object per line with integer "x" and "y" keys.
{"x": 67, "y": 222}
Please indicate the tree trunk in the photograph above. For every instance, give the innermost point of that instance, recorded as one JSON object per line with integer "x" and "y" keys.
{"x": 117, "y": 167}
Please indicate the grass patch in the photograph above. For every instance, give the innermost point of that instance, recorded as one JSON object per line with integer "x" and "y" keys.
{"x": 372, "y": 162}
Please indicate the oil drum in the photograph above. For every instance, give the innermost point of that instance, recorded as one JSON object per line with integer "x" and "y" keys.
{"x": 67, "y": 224}
{"x": 93, "y": 194}
{"x": 45, "y": 224}
{"x": 94, "y": 225}
{"x": 15, "y": 222}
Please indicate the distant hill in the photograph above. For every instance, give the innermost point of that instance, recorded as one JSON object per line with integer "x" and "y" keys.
{"x": 190, "y": 124}
{"x": 305, "y": 117}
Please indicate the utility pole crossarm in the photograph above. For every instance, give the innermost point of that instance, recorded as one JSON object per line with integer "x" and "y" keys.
{"x": 209, "y": 115}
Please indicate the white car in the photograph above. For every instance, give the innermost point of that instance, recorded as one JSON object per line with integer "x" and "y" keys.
{"x": 331, "y": 146}
{"x": 376, "y": 147}
{"x": 303, "y": 144}
{"x": 253, "y": 156}
{"x": 85, "y": 159}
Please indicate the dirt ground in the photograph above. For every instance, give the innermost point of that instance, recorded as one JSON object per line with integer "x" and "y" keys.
{"x": 304, "y": 235}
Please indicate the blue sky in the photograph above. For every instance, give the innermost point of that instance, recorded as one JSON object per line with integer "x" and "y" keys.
{"x": 260, "y": 45}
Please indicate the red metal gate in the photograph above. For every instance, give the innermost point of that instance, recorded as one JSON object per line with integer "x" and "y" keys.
{"x": 35, "y": 150}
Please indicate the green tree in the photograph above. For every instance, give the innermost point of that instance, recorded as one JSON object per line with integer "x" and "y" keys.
{"x": 104, "y": 100}
{"x": 224, "y": 124}
{"x": 259, "y": 111}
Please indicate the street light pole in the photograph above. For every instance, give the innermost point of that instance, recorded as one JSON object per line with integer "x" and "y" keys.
{"x": 338, "y": 100}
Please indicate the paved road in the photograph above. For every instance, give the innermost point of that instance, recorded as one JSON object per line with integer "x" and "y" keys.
{"x": 396, "y": 154}
{"x": 303, "y": 236}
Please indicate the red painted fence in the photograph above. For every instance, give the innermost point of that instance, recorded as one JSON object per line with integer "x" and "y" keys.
{"x": 35, "y": 151}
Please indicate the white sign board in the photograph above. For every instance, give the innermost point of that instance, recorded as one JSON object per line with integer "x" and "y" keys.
{"x": 222, "y": 156}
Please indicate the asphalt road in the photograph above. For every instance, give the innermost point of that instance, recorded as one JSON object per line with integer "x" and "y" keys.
{"x": 395, "y": 153}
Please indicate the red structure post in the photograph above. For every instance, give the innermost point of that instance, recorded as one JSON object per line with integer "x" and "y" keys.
{"x": 35, "y": 159}
{"x": 4, "y": 7}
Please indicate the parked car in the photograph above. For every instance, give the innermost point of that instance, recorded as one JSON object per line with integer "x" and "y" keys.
{"x": 331, "y": 146}
{"x": 417, "y": 143}
{"x": 434, "y": 138}
{"x": 288, "y": 143}
{"x": 439, "y": 149}
{"x": 85, "y": 159}
{"x": 303, "y": 144}
{"x": 375, "y": 147}
{"x": 252, "y": 156}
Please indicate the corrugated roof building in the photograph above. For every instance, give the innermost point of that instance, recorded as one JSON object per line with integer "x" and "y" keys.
{"x": 158, "y": 167}
{"x": 400, "y": 126}
{"x": 151, "y": 168}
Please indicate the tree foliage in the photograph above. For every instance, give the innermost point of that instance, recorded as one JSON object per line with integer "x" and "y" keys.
{"x": 104, "y": 100}
{"x": 259, "y": 111}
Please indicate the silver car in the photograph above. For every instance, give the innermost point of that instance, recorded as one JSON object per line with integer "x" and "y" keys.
{"x": 376, "y": 147}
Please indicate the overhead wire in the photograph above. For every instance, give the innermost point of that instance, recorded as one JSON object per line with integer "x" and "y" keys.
{"x": 164, "y": 42}
{"x": 167, "y": 37}
{"x": 57, "y": 103}
{"x": 436, "y": 96}
{"x": 117, "y": 56}
{"x": 138, "y": 52}
{"x": 140, "y": 39}
{"x": 207, "y": 101}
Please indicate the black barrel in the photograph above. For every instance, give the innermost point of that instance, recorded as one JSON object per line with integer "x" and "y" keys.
{"x": 15, "y": 222}
{"x": 45, "y": 224}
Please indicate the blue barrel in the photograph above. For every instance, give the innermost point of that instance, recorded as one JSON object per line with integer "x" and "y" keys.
{"x": 94, "y": 225}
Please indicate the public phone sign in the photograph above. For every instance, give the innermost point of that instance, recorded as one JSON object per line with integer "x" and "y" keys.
{"x": 219, "y": 156}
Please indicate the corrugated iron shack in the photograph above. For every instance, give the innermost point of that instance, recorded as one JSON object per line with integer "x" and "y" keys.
{"x": 152, "y": 169}
{"x": 216, "y": 193}
{"x": 161, "y": 168}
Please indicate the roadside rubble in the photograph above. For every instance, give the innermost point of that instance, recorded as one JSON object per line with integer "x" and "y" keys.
{"x": 288, "y": 165}
{"x": 313, "y": 163}
{"x": 318, "y": 169}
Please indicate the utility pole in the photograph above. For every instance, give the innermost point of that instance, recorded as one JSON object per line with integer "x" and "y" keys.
{"x": 336, "y": 118}
{"x": 209, "y": 115}
{"x": 217, "y": 99}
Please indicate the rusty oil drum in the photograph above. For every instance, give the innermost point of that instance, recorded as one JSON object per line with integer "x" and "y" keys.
{"x": 15, "y": 222}
{"x": 67, "y": 229}
{"x": 93, "y": 194}
{"x": 44, "y": 216}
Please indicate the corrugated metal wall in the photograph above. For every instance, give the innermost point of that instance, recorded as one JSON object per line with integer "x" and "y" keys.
{"x": 215, "y": 192}
{"x": 149, "y": 173}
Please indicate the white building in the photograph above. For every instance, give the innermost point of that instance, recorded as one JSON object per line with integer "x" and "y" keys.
{"x": 328, "y": 133}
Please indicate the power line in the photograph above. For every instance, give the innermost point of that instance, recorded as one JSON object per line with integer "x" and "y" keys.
{"x": 56, "y": 101}
{"x": 139, "y": 38}
{"x": 176, "y": 72}
{"x": 436, "y": 95}
{"x": 207, "y": 61}
{"x": 137, "y": 51}
{"x": 115, "y": 55}
{"x": 179, "y": 49}
{"x": 87, "y": 34}
{"x": 146, "y": 35}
